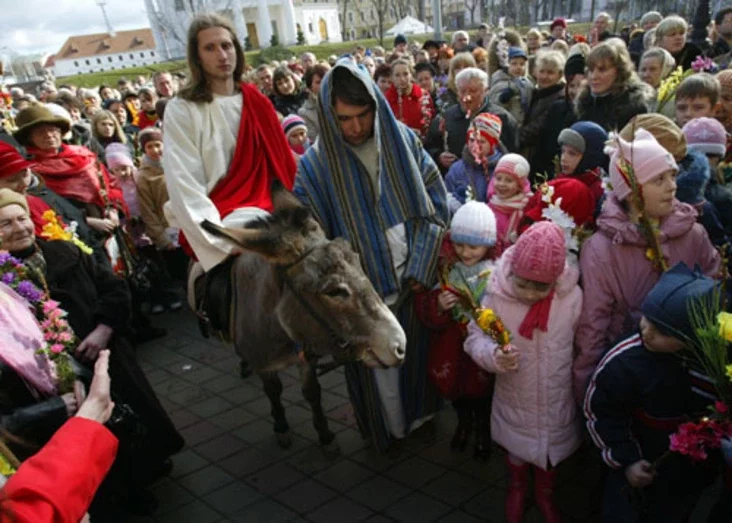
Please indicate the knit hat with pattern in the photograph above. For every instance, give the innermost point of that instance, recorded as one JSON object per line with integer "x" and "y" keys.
{"x": 488, "y": 125}
{"x": 706, "y": 135}
{"x": 475, "y": 224}
{"x": 516, "y": 166}
{"x": 539, "y": 254}
{"x": 292, "y": 123}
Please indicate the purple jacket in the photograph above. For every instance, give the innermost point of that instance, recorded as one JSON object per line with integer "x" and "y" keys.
{"x": 617, "y": 276}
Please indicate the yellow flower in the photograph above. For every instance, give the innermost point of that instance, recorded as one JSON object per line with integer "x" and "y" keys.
{"x": 485, "y": 318}
{"x": 729, "y": 371}
{"x": 725, "y": 326}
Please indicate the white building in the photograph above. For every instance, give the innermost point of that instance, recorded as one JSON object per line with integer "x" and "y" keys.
{"x": 106, "y": 52}
{"x": 256, "y": 20}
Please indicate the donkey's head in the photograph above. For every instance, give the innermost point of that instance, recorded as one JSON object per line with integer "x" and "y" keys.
{"x": 327, "y": 302}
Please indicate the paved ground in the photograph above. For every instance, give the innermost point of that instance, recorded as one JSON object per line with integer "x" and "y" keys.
{"x": 233, "y": 470}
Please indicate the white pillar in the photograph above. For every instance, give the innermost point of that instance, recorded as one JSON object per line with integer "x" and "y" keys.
{"x": 239, "y": 23}
{"x": 160, "y": 42}
{"x": 264, "y": 24}
{"x": 290, "y": 30}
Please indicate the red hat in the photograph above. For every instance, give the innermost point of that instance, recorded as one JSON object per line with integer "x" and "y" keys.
{"x": 577, "y": 201}
{"x": 11, "y": 161}
{"x": 558, "y": 21}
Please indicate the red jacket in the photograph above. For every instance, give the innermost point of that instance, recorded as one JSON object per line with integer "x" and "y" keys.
{"x": 146, "y": 120}
{"x": 411, "y": 112}
{"x": 59, "y": 482}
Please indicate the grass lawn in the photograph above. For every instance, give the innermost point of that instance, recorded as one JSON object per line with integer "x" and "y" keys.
{"x": 322, "y": 51}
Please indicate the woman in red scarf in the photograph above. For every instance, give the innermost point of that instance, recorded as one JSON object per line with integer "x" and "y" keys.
{"x": 71, "y": 171}
{"x": 411, "y": 106}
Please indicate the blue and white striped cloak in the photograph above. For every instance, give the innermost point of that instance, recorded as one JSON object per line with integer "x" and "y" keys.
{"x": 334, "y": 184}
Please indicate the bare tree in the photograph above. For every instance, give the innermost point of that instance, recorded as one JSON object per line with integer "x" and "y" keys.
{"x": 344, "y": 23}
{"x": 166, "y": 14}
{"x": 470, "y": 5}
{"x": 617, "y": 7}
{"x": 381, "y": 7}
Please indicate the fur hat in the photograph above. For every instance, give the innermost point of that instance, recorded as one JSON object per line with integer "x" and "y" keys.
{"x": 35, "y": 115}
{"x": 117, "y": 155}
{"x": 149, "y": 134}
{"x": 475, "y": 224}
{"x": 647, "y": 157}
{"x": 10, "y": 197}
{"x": 539, "y": 254}
{"x": 516, "y": 166}
{"x": 11, "y": 161}
{"x": 589, "y": 139}
{"x": 575, "y": 64}
{"x": 666, "y": 132}
{"x": 292, "y": 123}
{"x": 488, "y": 125}
{"x": 517, "y": 52}
{"x": 706, "y": 135}
{"x": 667, "y": 305}
{"x": 558, "y": 21}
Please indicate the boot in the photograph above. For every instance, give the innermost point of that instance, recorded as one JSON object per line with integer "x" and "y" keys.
{"x": 544, "y": 494}
{"x": 464, "y": 427}
{"x": 482, "y": 450}
{"x": 518, "y": 483}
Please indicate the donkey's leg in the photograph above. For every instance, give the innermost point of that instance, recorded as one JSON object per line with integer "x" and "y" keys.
{"x": 311, "y": 392}
{"x": 273, "y": 389}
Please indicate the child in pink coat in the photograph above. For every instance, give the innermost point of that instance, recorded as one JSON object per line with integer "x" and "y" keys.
{"x": 508, "y": 193}
{"x": 535, "y": 293}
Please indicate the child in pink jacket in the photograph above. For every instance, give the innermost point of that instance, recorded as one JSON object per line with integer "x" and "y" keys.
{"x": 508, "y": 193}
{"x": 535, "y": 292}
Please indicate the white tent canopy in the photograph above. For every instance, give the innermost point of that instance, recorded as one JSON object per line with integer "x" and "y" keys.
{"x": 408, "y": 26}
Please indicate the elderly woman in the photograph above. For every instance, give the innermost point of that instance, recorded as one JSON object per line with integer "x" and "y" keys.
{"x": 98, "y": 307}
{"x": 549, "y": 75}
{"x": 613, "y": 94}
{"x": 73, "y": 172}
{"x": 655, "y": 65}
{"x": 671, "y": 35}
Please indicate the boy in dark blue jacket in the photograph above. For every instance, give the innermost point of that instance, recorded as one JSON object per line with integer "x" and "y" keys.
{"x": 640, "y": 393}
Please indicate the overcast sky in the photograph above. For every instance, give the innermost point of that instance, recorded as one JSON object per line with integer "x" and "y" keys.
{"x": 28, "y": 26}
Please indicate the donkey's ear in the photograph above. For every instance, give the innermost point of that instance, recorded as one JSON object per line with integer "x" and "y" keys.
{"x": 261, "y": 241}
{"x": 282, "y": 198}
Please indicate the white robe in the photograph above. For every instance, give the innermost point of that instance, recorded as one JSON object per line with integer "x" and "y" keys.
{"x": 199, "y": 144}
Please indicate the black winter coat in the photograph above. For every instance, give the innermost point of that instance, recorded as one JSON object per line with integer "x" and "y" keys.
{"x": 287, "y": 105}
{"x": 614, "y": 110}
{"x": 559, "y": 116}
{"x": 541, "y": 101}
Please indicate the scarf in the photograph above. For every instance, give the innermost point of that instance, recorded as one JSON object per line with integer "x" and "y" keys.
{"x": 345, "y": 202}
{"x": 258, "y": 160}
{"x": 20, "y": 337}
{"x": 537, "y": 317}
{"x": 74, "y": 172}
{"x": 149, "y": 162}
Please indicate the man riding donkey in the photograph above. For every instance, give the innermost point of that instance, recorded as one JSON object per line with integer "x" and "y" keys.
{"x": 223, "y": 150}
{"x": 368, "y": 179}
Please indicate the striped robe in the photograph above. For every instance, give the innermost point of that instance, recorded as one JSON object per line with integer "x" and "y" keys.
{"x": 333, "y": 183}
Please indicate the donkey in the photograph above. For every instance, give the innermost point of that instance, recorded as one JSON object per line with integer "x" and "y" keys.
{"x": 294, "y": 288}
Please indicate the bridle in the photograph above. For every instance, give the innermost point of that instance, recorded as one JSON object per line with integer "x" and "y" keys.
{"x": 338, "y": 340}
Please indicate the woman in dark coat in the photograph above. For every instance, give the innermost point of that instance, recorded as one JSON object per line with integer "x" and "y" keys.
{"x": 614, "y": 94}
{"x": 99, "y": 307}
{"x": 288, "y": 95}
{"x": 671, "y": 35}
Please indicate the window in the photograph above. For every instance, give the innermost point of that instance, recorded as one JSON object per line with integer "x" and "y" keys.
{"x": 87, "y": 62}
{"x": 132, "y": 57}
{"x": 350, "y": 18}
{"x": 363, "y": 18}
{"x": 142, "y": 55}
{"x": 310, "y": 27}
{"x": 121, "y": 58}
{"x": 179, "y": 5}
{"x": 76, "y": 64}
{"x": 109, "y": 59}
{"x": 152, "y": 53}
{"x": 99, "y": 60}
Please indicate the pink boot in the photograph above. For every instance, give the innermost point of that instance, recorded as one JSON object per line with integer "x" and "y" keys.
{"x": 544, "y": 494}
{"x": 518, "y": 483}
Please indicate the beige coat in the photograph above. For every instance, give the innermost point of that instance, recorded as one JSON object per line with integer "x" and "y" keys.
{"x": 152, "y": 195}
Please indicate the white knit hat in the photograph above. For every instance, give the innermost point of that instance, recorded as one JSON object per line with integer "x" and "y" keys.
{"x": 475, "y": 224}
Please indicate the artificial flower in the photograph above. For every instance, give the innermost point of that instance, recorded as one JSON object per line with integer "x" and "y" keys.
{"x": 725, "y": 325}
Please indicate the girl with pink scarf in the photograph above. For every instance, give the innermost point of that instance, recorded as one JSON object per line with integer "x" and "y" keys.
{"x": 508, "y": 193}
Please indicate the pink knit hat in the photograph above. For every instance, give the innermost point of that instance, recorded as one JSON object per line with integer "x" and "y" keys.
{"x": 517, "y": 167}
{"x": 117, "y": 155}
{"x": 706, "y": 135}
{"x": 644, "y": 153}
{"x": 539, "y": 254}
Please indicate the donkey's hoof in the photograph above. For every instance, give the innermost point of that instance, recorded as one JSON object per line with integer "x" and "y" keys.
{"x": 332, "y": 449}
{"x": 284, "y": 440}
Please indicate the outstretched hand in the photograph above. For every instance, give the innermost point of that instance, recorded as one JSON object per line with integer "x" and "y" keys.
{"x": 96, "y": 340}
{"x": 98, "y": 404}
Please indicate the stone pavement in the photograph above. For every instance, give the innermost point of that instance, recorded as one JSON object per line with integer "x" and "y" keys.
{"x": 233, "y": 470}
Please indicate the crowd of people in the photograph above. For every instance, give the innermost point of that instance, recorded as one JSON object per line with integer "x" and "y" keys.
{"x": 579, "y": 187}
